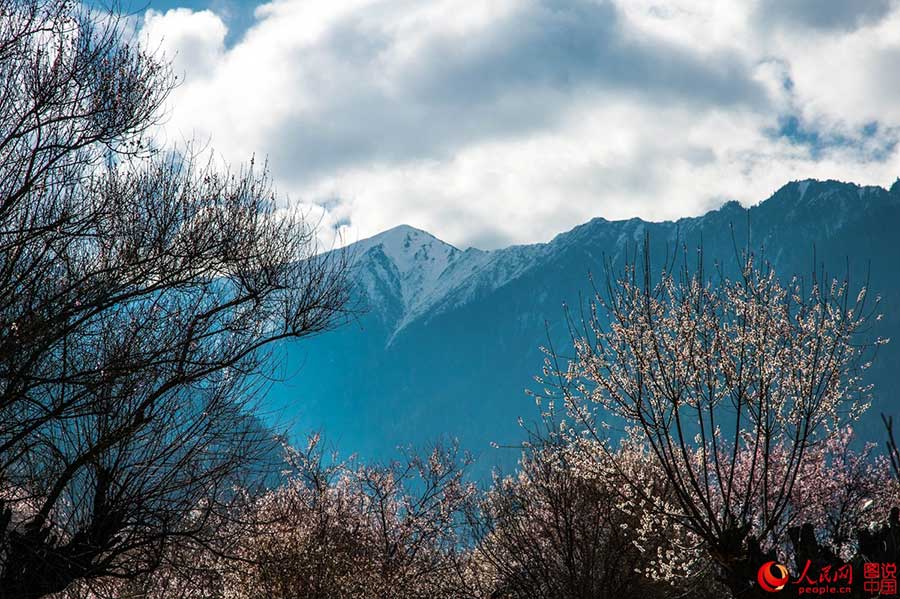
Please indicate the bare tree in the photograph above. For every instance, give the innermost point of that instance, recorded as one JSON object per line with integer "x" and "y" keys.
{"x": 728, "y": 383}
{"x": 140, "y": 293}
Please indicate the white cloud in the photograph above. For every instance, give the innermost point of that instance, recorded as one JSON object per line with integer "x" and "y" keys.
{"x": 194, "y": 41}
{"x": 848, "y": 79}
{"x": 508, "y": 121}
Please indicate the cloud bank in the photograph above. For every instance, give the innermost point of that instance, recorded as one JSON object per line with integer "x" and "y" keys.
{"x": 490, "y": 123}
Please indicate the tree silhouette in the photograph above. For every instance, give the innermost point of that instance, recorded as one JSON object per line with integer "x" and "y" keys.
{"x": 140, "y": 293}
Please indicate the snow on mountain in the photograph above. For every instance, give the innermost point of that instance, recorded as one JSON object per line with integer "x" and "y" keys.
{"x": 803, "y": 186}
{"x": 407, "y": 259}
{"x": 452, "y": 337}
{"x": 480, "y": 273}
{"x": 409, "y": 274}
{"x": 402, "y": 269}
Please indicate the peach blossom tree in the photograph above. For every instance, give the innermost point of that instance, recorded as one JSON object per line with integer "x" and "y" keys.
{"x": 732, "y": 385}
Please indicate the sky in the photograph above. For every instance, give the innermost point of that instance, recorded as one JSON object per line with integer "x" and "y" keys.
{"x": 498, "y": 122}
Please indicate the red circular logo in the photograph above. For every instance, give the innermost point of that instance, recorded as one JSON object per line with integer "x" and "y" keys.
{"x": 772, "y": 577}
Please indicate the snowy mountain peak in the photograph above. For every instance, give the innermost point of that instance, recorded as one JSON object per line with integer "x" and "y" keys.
{"x": 411, "y": 249}
{"x": 411, "y": 276}
{"x": 403, "y": 265}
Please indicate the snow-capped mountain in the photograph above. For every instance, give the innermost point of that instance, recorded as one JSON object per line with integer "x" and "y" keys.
{"x": 450, "y": 338}
{"x": 404, "y": 265}
{"x": 404, "y": 270}
{"x": 408, "y": 274}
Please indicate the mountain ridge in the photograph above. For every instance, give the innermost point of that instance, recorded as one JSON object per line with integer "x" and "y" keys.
{"x": 451, "y": 337}
{"x": 442, "y": 285}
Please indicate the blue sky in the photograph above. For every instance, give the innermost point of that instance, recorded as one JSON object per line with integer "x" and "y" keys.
{"x": 236, "y": 14}
{"x": 490, "y": 123}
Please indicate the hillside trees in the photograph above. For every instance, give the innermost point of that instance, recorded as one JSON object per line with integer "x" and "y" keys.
{"x": 345, "y": 529}
{"x": 555, "y": 530}
{"x": 139, "y": 292}
{"x": 732, "y": 386}
{"x": 334, "y": 528}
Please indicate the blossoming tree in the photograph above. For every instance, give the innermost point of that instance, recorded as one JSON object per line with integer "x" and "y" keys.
{"x": 731, "y": 386}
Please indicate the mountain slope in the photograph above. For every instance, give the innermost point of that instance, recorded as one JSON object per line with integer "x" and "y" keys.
{"x": 451, "y": 338}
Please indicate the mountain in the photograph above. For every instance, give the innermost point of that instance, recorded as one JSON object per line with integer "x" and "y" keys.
{"x": 451, "y": 338}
